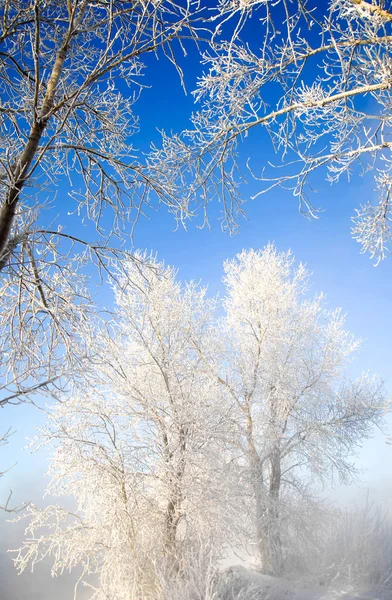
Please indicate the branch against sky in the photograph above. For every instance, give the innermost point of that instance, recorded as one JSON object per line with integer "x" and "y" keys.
{"x": 317, "y": 80}
{"x": 71, "y": 72}
{"x": 4, "y": 438}
{"x": 70, "y": 76}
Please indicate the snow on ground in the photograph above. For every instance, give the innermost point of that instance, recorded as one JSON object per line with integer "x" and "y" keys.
{"x": 272, "y": 588}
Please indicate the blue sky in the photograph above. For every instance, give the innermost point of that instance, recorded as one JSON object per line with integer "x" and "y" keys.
{"x": 348, "y": 278}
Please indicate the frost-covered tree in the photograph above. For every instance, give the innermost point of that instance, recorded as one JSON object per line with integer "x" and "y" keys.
{"x": 299, "y": 419}
{"x": 192, "y": 433}
{"x": 71, "y": 73}
{"x": 70, "y": 77}
{"x": 139, "y": 448}
{"x": 316, "y": 78}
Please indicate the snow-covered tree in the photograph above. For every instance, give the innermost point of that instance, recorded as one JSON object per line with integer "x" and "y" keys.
{"x": 316, "y": 78}
{"x": 71, "y": 74}
{"x": 299, "y": 418}
{"x": 139, "y": 448}
{"x": 190, "y": 433}
{"x": 64, "y": 112}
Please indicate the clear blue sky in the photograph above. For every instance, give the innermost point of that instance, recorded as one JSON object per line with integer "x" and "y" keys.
{"x": 348, "y": 278}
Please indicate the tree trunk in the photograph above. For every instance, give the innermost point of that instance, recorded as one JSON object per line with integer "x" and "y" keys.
{"x": 266, "y": 504}
{"x": 268, "y": 519}
{"x": 257, "y": 482}
{"x": 20, "y": 170}
{"x": 273, "y": 515}
{"x": 173, "y": 508}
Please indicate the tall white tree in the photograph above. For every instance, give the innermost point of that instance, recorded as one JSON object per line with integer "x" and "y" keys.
{"x": 299, "y": 418}
{"x": 140, "y": 448}
{"x": 316, "y": 78}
